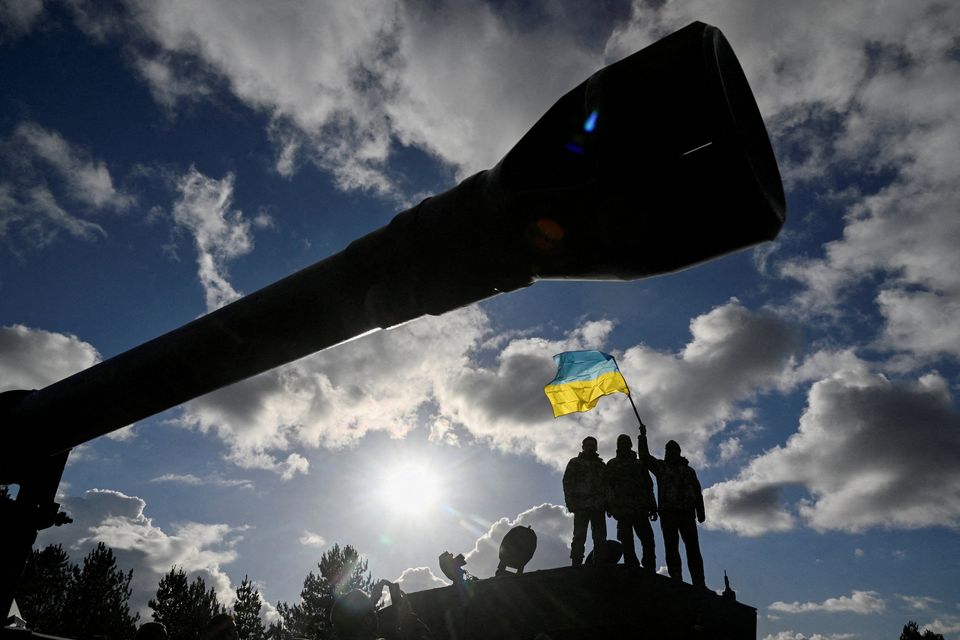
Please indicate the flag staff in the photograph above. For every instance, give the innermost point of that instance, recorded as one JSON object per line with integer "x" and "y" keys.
{"x": 643, "y": 427}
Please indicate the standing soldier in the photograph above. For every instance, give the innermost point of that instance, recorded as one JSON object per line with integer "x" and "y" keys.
{"x": 585, "y": 494}
{"x": 630, "y": 501}
{"x": 680, "y": 499}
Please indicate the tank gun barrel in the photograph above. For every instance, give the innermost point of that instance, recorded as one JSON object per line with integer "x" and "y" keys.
{"x": 654, "y": 163}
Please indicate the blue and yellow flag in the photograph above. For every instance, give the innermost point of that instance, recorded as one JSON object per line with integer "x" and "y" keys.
{"x": 582, "y": 377}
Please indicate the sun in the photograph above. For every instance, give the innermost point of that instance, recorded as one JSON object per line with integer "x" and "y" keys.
{"x": 410, "y": 489}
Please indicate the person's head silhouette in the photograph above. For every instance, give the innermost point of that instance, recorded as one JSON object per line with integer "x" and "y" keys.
{"x": 589, "y": 444}
{"x": 672, "y": 450}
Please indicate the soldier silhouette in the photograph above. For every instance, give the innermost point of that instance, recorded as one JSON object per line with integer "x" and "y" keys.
{"x": 680, "y": 499}
{"x": 584, "y": 492}
{"x": 631, "y": 503}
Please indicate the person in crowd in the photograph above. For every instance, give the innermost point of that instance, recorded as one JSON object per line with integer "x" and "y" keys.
{"x": 631, "y": 503}
{"x": 680, "y": 501}
{"x": 585, "y": 494}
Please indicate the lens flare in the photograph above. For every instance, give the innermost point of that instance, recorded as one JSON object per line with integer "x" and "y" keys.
{"x": 591, "y": 122}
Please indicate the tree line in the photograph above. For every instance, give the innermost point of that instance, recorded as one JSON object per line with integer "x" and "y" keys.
{"x": 90, "y": 600}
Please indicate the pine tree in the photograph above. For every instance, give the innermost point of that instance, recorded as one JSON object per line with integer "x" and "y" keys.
{"x": 97, "y": 598}
{"x": 246, "y": 612}
{"x": 183, "y": 607}
{"x": 275, "y": 631}
{"x": 42, "y": 589}
{"x": 341, "y": 570}
{"x": 911, "y": 631}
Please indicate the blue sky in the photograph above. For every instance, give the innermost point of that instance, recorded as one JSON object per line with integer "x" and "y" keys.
{"x": 159, "y": 159}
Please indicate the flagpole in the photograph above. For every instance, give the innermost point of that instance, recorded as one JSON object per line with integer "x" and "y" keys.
{"x": 643, "y": 427}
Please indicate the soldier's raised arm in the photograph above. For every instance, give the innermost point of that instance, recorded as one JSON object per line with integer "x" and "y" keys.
{"x": 643, "y": 452}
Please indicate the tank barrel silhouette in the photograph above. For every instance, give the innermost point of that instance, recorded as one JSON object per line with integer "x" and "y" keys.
{"x": 654, "y": 163}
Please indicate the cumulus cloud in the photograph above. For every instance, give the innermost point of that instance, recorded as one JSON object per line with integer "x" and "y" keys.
{"x": 333, "y": 398}
{"x": 220, "y": 234}
{"x": 346, "y": 83}
{"x": 859, "y": 602}
{"x": 869, "y": 452}
{"x": 553, "y": 525}
{"x": 34, "y": 209}
{"x": 838, "y": 86}
{"x": 119, "y": 521}
{"x": 689, "y": 396}
{"x": 34, "y": 358}
{"x": 311, "y": 539}
{"x": 945, "y": 625}
{"x": 419, "y": 579}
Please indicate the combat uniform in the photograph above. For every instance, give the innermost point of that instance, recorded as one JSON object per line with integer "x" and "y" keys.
{"x": 680, "y": 501}
{"x": 630, "y": 501}
{"x": 584, "y": 491}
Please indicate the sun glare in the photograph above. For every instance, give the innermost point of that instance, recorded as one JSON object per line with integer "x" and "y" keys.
{"x": 410, "y": 489}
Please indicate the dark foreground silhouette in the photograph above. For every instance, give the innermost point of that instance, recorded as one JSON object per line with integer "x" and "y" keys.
{"x": 580, "y": 603}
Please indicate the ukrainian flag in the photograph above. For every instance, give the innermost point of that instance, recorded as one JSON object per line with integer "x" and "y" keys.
{"x": 582, "y": 378}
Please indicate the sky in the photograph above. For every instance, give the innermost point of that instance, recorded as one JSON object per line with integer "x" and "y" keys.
{"x": 162, "y": 158}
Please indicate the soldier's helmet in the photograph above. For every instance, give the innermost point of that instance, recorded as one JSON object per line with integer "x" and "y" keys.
{"x": 672, "y": 448}
{"x": 589, "y": 442}
{"x": 353, "y": 616}
{"x": 624, "y": 442}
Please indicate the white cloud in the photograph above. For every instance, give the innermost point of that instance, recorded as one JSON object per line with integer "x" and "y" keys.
{"x": 839, "y": 86}
{"x": 553, "y": 525}
{"x": 17, "y": 17}
{"x": 213, "y": 480}
{"x": 918, "y": 603}
{"x": 419, "y": 579}
{"x": 344, "y": 83}
{"x": 311, "y": 539}
{"x": 31, "y": 209}
{"x": 88, "y": 180}
{"x": 730, "y": 448}
{"x": 333, "y": 398}
{"x": 859, "y": 602}
{"x": 947, "y": 624}
{"x": 119, "y": 521}
{"x": 167, "y": 86}
{"x": 870, "y": 452}
{"x": 858, "y": 552}
{"x": 34, "y": 358}
{"x": 220, "y": 233}
{"x": 689, "y": 396}
{"x": 922, "y": 322}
